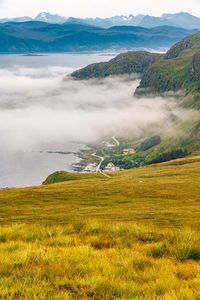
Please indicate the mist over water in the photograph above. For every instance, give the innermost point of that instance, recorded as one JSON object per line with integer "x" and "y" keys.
{"x": 41, "y": 113}
{"x": 25, "y": 83}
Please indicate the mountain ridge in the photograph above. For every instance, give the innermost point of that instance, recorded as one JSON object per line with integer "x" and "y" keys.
{"x": 37, "y": 36}
{"x": 181, "y": 19}
{"x": 124, "y": 63}
{"x": 177, "y": 69}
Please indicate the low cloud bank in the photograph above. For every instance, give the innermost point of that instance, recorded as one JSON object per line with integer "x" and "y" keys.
{"x": 38, "y": 109}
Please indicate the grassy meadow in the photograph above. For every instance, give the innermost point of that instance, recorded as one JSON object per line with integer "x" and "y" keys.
{"x": 98, "y": 260}
{"x": 135, "y": 235}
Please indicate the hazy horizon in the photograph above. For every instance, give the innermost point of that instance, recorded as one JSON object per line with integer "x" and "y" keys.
{"x": 101, "y": 17}
{"x": 95, "y": 8}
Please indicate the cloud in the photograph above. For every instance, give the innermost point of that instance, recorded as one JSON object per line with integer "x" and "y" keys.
{"x": 37, "y": 110}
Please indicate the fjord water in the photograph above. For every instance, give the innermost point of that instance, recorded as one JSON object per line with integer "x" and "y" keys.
{"x": 23, "y": 163}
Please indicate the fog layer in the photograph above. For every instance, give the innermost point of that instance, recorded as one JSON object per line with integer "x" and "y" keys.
{"x": 37, "y": 109}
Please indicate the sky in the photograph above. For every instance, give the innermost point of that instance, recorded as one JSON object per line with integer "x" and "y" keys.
{"x": 96, "y": 8}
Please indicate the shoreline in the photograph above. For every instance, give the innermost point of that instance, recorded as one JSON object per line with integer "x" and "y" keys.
{"x": 88, "y": 157}
{"x": 85, "y": 157}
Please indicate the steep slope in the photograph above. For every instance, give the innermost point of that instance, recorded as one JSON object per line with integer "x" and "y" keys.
{"x": 179, "y": 70}
{"x": 125, "y": 63}
{"x": 68, "y": 37}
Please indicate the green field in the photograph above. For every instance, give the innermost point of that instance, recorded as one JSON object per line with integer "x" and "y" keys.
{"x": 132, "y": 236}
{"x": 164, "y": 194}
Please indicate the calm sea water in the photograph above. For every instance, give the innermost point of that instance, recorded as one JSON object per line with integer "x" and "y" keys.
{"x": 27, "y": 166}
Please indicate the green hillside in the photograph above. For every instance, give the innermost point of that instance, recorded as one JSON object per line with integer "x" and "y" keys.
{"x": 179, "y": 70}
{"x": 124, "y": 63}
{"x": 166, "y": 194}
{"x": 61, "y": 176}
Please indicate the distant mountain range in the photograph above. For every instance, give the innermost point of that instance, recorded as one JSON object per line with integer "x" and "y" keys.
{"x": 35, "y": 37}
{"x": 182, "y": 20}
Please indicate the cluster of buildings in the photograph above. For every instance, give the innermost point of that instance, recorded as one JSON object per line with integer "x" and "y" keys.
{"x": 111, "y": 167}
{"x": 108, "y": 146}
{"x": 92, "y": 167}
{"x": 129, "y": 151}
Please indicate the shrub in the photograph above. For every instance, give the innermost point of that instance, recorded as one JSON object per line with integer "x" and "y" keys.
{"x": 158, "y": 251}
{"x": 103, "y": 243}
{"x": 122, "y": 163}
{"x": 149, "y": 143}
{"x": 178, "y": 153}
{"x": 79, "y": 226}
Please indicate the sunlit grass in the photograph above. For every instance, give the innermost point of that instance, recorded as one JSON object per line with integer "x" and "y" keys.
{"x": 165, "y": 194}
{"x": 97, "y": 260}
{"x": 132, "y": 236}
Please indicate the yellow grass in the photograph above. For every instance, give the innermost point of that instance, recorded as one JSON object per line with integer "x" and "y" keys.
{"x": 132, "y": 236}
{"x": 96, "y": 260}
{"x": 166, "y": 195}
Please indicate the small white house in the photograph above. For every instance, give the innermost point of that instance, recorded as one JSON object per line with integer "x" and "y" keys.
{"x": 111, "y": 168}
{"x": 90, "y": 168}
{"x": 126, "y": 151}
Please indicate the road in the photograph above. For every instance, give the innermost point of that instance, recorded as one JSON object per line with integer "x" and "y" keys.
{"x": 98, "y": 168}
{"x": 115, "y": 140}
